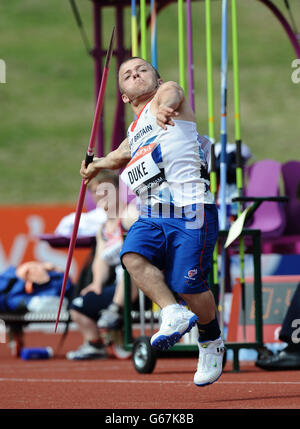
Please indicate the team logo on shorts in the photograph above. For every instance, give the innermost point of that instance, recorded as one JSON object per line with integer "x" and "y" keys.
{"x": 191, "y": 274}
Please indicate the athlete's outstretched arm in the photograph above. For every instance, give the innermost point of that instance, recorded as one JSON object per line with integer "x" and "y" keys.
{"x": 114, "y": 160}
{"x": 170, "y": 102}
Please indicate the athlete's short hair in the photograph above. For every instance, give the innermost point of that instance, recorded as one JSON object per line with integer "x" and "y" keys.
{"x": 107, "y": 175}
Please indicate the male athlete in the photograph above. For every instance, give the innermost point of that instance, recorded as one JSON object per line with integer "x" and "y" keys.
{"x": 168, "y": 250}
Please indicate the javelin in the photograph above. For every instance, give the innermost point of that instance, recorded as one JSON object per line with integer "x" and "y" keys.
{"x": 211, "y": 131}
{"x": 143, "y": 25}
{"x": 181, "y": 50}
{"x": 190, "y": 53}
{"x": 209, "y": 69}
{"x": 223, "y": 161}
{"x": 134, "y": 34}
{"x": 238, "y": 142}
{"x": 88, "y": 160}
{"x": 153, "y": 34}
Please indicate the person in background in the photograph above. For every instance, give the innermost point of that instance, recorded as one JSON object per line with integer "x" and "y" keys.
{"x": 90, "y": 220}
{"x": 289, "y": 357}
{"x": 86, "y": 308}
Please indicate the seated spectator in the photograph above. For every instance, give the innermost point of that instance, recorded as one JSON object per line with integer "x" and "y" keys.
{"x": 91, "y": 220}
{"x": 32, "y": 286}
{"x": 112, "y": 316}
{"x": 289, "y": 357}
{"x": 99, "y": 294}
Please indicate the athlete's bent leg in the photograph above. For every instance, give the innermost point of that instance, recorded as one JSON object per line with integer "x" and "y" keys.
{"x": 149, "y": 279}
{"x": 176, "y": 319}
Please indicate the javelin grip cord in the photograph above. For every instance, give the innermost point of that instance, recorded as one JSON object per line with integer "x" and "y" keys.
{"x": 88, "y": 159}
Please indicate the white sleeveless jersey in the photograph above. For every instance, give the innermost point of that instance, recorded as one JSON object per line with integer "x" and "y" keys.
{"x": 167, "y": 166}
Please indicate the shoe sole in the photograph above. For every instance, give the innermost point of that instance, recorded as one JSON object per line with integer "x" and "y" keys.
{"x": 207, "y": 384}
{"x": 164, "y": 342}
{"x": 88, "y": 357}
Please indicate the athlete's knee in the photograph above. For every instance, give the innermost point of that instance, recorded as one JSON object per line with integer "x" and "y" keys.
{"x": 132, "y": 262}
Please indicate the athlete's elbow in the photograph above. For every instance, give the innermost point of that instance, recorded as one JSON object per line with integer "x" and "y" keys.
{"x": 121, "y": 161}
{"x": 175, "y": 87}
{"x": 172, "y": 95}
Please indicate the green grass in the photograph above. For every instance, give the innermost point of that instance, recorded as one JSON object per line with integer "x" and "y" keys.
{"x": 47, "y": 104}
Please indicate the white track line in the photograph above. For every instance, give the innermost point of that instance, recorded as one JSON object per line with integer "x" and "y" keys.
{"x": 39, "y": 369}
{"x": 67, "y": 380}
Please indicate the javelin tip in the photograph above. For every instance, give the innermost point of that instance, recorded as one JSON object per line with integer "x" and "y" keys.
{"x": 110, "y": 48}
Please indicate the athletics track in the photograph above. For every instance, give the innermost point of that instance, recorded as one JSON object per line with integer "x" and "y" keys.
{"x": 115, "y": 384}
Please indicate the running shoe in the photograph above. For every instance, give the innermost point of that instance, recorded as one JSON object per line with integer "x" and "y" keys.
{"x": 87, "y": 351}
{"x": 177, "y": 320}
{"x": 210, "y": 364}
{"x": 110, "y": 318}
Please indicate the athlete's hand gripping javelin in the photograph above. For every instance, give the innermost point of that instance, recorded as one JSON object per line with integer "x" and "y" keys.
{"x": 90, "y": 171}
{"x": 113, "y": 161}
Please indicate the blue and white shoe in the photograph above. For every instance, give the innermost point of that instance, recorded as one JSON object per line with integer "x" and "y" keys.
{"x": 210, "y": 363}
{"x": 177, "y": 320}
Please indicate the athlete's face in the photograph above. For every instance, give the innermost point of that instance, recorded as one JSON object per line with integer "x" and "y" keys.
{"x": 137, "y": 80}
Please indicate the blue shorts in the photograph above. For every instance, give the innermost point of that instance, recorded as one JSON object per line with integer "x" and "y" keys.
{"x": 183, "y": 253}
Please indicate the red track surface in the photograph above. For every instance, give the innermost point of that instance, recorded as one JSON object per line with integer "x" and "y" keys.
{"x": 115, "y": 384}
